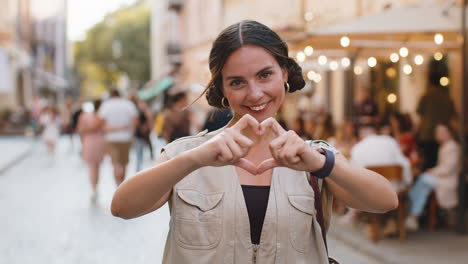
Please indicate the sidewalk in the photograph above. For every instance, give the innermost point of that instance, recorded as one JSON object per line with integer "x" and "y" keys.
{"x": 12, "y": 150}
{"x": 422, "y": 247}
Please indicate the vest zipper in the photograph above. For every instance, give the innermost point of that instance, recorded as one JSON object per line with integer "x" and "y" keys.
{"x": 255, "y": 248}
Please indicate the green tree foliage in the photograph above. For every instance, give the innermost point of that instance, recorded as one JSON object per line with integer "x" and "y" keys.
{"x": 119, "y": 44}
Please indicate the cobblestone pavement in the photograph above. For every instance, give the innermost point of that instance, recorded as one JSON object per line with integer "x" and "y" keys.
{"x": 47, "y": 217}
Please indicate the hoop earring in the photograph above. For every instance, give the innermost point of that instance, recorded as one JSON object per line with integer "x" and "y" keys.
{"x": 223, "y": 103}
{"x": 286, "y": 84}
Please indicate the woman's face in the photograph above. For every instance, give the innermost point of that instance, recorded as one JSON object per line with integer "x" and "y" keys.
{"x": 253, "y": 82}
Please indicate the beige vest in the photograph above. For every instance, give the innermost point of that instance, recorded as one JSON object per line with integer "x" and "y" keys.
{"x": 209, "y": 221}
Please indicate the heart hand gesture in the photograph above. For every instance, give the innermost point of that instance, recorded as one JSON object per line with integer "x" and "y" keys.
{"x": 230, "y": 146}
{"x": 289, "y": 150}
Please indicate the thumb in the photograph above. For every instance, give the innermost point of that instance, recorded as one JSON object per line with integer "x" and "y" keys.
{"x": 267, "y": 164}
{"x": 247, "y": 165}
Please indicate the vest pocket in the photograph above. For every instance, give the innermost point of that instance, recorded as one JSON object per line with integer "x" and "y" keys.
{"x": 198, "y": 219}
{"x": 301, "y": 214}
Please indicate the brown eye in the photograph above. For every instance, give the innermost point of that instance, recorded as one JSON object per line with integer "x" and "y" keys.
{"x": 235, "y": 83}
{"x": 265, "y": 75}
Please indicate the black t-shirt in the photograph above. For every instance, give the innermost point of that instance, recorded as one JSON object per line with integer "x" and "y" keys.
{"x": 256, "y": 200}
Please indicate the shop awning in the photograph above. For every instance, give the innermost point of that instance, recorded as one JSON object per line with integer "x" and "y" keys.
{"x": 154, "y": 90}
{"x": 392, "y": 27}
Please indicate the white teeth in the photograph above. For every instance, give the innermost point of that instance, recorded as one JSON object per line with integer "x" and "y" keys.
{"x": 258, "y": 108}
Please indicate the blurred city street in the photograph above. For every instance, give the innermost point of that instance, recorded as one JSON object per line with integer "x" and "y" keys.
{"x": 48, "y": 216}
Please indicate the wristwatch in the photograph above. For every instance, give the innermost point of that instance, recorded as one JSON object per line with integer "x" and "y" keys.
{"x": 327, "y": 167}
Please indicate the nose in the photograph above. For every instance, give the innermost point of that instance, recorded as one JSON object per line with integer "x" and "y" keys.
{"x": 255, "y": 92}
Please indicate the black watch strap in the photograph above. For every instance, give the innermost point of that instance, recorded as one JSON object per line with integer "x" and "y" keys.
{"x": 327, "y": 168}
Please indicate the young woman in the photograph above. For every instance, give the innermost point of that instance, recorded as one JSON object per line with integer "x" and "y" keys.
{"x": 241, "y": 193}
{"x": 443, "y": 178}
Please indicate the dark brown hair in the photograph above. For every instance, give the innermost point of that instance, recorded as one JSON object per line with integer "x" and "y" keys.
{"x": 252, "y": 33}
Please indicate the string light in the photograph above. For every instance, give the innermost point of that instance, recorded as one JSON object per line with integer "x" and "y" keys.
{"x": 404, "y": 52}
{"x": 357, "y": 70}
{"x": 344, "y": 41}
{"x": 345, "y": 62}
{"x": 438, "y": 56}
{"x": 438, "y": 39}
{"x": 333, "y": 65}
{"x": 394, "y": 57}
{"x": 391, "y": 72}
{"x": 322, "y": 59}
{"x": 418, "y": 59}
{"x": 392, "y": 98}
{"x": 309, "y": 50}
{"x": 300, "y": 56}
{"x": 317, "y": 78}
{"x": 308, "y": 16}
{"x": 407, "y": 69}
{"x": 372, "y": 61}
{"x": 311, "y": 75}
{"x": 444, "y": 81}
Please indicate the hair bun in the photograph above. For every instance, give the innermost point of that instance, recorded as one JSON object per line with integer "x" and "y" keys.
{"x": 295, "y": 78}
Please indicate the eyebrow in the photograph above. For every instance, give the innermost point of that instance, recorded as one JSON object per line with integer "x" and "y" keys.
{"x": 259, "y": 72}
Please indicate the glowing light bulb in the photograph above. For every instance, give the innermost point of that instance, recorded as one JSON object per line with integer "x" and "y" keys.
{"x": 345, "y": 62}
{"x": 372, "y": 61}
{"x": 404, "y": 52}
{"x": 438, "y": 39}
{"x": 418, "y": 59}
{"x": 407, "y": 69}
{"x": 309, "y": 50}
{"x": 394, "y": 57}
{"x": 311, "y": 75}
{"x": 344, "y": 41}
{"x": 357, "y": 70}
{"x": 392, "y": 98}
{"x": 300, "y": 56}
{"x": 444, "y": 81}
{"x": 322, "y": 59}
{"x": 438, "y": 56}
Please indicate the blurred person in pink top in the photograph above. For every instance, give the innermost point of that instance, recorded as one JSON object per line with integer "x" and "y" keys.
{"x": 93, "y": 141}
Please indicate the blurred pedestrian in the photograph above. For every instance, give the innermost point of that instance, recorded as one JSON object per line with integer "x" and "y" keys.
{"x": 93, "y": 144}
{"x": 379, "y": 150}
{"x": 217, "y": 118}
{"x": 325, "y": 129}
{"x": 367, "y": 109}
{"x": 177, "y": 119}
{"x": 66, "y": 114}
{"x": 118, "y": 117}
{"x": 434, "y": 107}
{"x": 403, "y": 131}
{"x": 36, "y": 108}
{"x": 216, "y": 190}
{"x": 50, "y": 122}
{"x": 443, "y": 178}
{"x": 346, "y": 138}
{"x": 142, "y": 132}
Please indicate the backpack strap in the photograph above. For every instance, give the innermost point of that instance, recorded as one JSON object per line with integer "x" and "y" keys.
{"x": 318, "y": 206}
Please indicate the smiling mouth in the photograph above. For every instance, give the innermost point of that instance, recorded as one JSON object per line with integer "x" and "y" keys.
{"x": 258, "y": 108}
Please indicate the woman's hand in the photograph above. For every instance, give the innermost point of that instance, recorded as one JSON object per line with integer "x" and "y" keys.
{"x": 289, "y": 150}
{"x": 229, "y": 147}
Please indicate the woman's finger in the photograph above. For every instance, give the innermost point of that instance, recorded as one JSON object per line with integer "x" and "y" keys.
{"x": 234, "y": 147}
{"x": 225, "y": 154}
{"x": 273, "y": 125}
{"x": 242, "y": 140}
{"x": 266, "y": 165}
{"x": 247, "y": 165}
{"x": 245, "y": 122}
